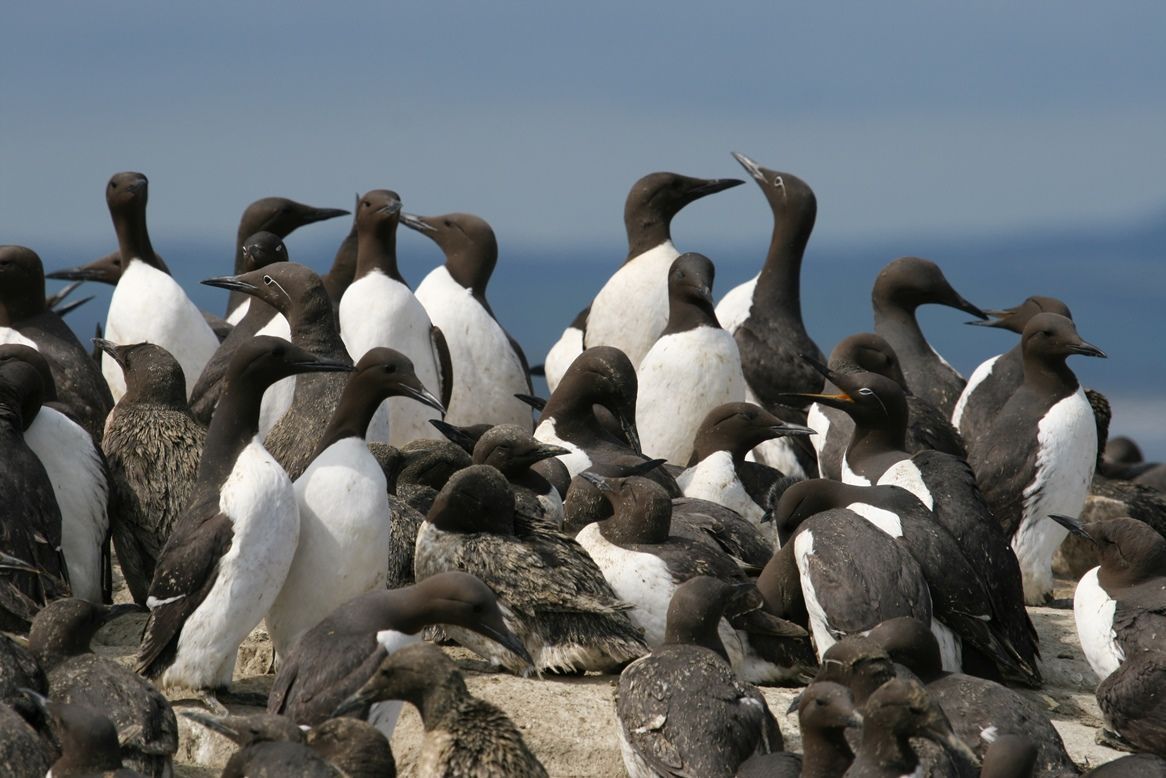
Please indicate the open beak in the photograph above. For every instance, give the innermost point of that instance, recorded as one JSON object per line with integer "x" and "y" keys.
{"x": 998, "y": 319}
{"x": 231, "y": 282}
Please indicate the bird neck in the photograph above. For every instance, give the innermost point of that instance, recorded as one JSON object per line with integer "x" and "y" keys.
{"x": 376, "y": 249}
{"x": 343, "y": 269}
{"x": 352, "y": 416}
{"x": 825, "y": 752}
{"x": 1049, "y": 377}
{"x": 133, "y": 238}
{"x": 779, "y": 285}
{"x": 887, "y": 749}
{"x": 684, "y": 315}
{"x": 440, "y": 701}
{"x": 233, "y": 426}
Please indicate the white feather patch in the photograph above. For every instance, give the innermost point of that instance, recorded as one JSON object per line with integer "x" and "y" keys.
{"x": 1093, "y": 611}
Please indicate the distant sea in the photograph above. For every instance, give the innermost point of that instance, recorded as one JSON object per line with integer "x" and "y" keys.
{"x": 1113, "y": 280}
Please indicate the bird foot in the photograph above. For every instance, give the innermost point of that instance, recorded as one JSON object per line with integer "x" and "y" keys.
{"x": 1111, "y": 739}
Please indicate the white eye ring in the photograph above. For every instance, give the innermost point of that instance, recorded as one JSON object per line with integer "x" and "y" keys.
{"x": 866, "y": 392}
{"x": 268, "y": 280}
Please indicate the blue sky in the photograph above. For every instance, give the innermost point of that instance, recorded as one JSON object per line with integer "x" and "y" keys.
{"x": 906, "y": 117}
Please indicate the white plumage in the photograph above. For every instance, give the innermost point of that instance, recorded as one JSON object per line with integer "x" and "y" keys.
{"x": 78, "y": 477}
{"x": 277, "y": 398}
{"x": 1066, "y": 457}
{"x": 379, "y": 311}
{"x": 734, "y": 307}
{"x": 343, "y": 540}
{"x": 683, "y": 377}
{"x": 631, "y": 310}
{"x": 978, "y": 375}
{"x": 576, "y": 462}
{"x": 1093, "y": 611}
{"x": 384, "y": 715}
{"x": 260, "y": 500}
{"x": 823, "y": 635}
{"x": 149, "y": 306}
{"x": 715, "y": 479}
{"x": 487, "y": 370}
{"x": 562, "y": 354}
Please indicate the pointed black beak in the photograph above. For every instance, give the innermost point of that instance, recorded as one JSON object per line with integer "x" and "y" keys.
{"x": 103, "y": 270}
{"x": 455, "y": 434}
{"x": 1074, "y": 525}
{"x": 213, "y": 723}
{"x": 317, "y": 365}
{"x": 784, "y": 429}
{"x": 390, "y": 208}
{"x": 323, "y": 214}
{"x": 706, "y": 187}
{"x": 9, "y": 562}
{"x": 999, "y": 319}
{"x": 422, "y": 395}
{"x": 537, "y": 403}
{"x": 1087, "y": 350}
{"x": 231, "y": 282}
{"x": 111, "y": 348}
{"x": 958, "y": 302}
{"x": 628, "y": 425}
{"x": 507, "y": 640}
{"x": 751, "y": 167}
{"x": 601, "y": 482}
{"x": 418, "y": 223}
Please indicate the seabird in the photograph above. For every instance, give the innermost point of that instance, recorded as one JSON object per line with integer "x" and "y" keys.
{"x": 22, "y": 748}
{"x": 77, "y": 471}
{"x": 231, "y": 548}
{"x": 146, "y": 727}
{"x": 994, "y": 380}
{"x": 965, "y": 617}
{"x": 152, "y": 445}
{"x": 896, "y": 712}
{"x": 268, "y": 745}
{"x": 356, "y": 748}
{"x": 1133, "y": 700}
{"x": 147, "y": 304}
{"x": 682, "y": 710}
{"x": 980, "y": 711}
{"x": 277, "y": 215}
{"x": 489, "y": 364}
{"x": 25, "y": 318}
{"x": 1142, "y": 765}
{"x": 379, "y": 309}
{"x": 825, "y": 712}
{"x": 691, "y": 369}
{"x": 512, "y": 451}
{"x": 1120, "y": 605}
{"x": 565, "y": 349}
{"x": 900, "y": 288}
{"x": 336, "y": 657}
{"x": 554, "y": 596}
{"x": 927, "y": 426}
{"x": 601, "y": 376}
{"x": 258, "y": 251}
{"x": 34, "y": 571}
{"x": 645, "y": 563}
{"x": 87, "y": 740}
{"x": 297, "y": 292}
{"x": 343, "y": 269}
{"x": 1038, "y": 454}
{"x": 343, "y": 504}
{"x": 942, "y": 482}
{"x": 463, "y": 735}
{"x": 853, "y": 574}
{"x": 718, "y": 471}
{"x": 631, "y": 310}
{"x": 764, "y": 314}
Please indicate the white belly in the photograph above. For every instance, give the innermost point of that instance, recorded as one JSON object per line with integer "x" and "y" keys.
{"x": 823, "y": 637}
{"x": 820, "y": 423}
{"x": 487, "y": 371}
{"x": 10, "y": 337}
{"x": 905, "y": 474}
{"x": 149, "y": 306}
{"x": 260, "y": 499}
{"x": 561, "y": 355}
{"x": 343, "y": 541}
{"x": 977, "y": 378}
{"x": 384, "y": 715}
{"x": 1093, "y": 611}
{"x": 236, "y": 316}
{"x": 682, "y": 378}
{"x": 78, "y": 478}
{"x": 1067, "y": 455}
{"x": 641, "y": 579}
{"x": 576, "y": 462}
{"x": 631, "y": 310}
{"x": 733, "y": 309}
{"x": 378, "y": 311}
{"x": 278, "y": 397}
{"x": 715, "y": 479}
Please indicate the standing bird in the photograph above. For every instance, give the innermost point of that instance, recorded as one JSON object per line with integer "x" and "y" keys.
{"x": 80, "y": 482}
{"x": 147, "y": 304}
{"x": 1038, "y": 455}
{"x": 682, "y": 710}
{"x": 764, "y": 314}
{"x": 343, "y": 504}
{"x": 694, "y": 366}
{"x": 152, "y": 445}
{"x": 268, "y": 746}
{"x": 34, "y": 571}
{"x": 336, "y": 657}
{"x": 26, "y": 318}
{"x": 231, "y": 548}
{"x": 995, "y": 379}
{"x": 927, "y": 426}
{"x": 378, "y": 309}
{"x": 901, "y": 287}
{"x": 298, "y": 293}
{"x": 260, "y": 318}
{"x": 631, "y": 310}
{"x": 554, "y": 595}
{"x": 489, "y": 364}
{"x": 463, "y": 735}
{"x": 146, "y": 727}
{"x": 277, "y": 215}
{"x": 718, "y": 471}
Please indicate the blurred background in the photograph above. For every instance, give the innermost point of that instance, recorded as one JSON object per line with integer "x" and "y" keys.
{"x": 1020, "y": 146}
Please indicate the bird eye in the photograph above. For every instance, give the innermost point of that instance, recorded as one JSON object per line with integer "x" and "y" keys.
{"x": 365, "y": 204}
{"x": 268, "y": 280}
{"x": 279, "y": 249}
{"x": 390, "y": 368}
{"x": 866, "y": 392}
{"x": 113, "y": 185}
